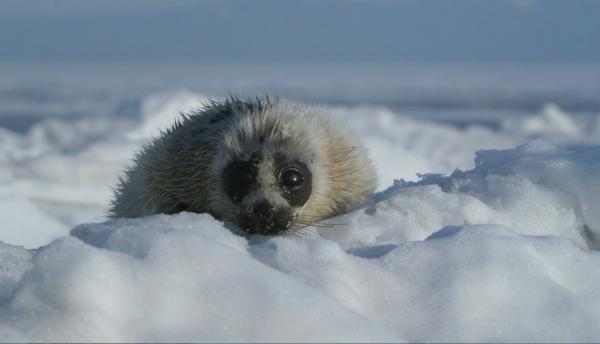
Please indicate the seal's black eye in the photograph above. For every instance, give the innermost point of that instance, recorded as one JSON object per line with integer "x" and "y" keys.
{"x": 291, "y": 179}
{"x": 295, "y": 181}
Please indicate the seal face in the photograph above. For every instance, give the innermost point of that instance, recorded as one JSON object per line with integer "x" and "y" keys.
{"x": 265, "y": 167}
{"x": 249, "y": 185}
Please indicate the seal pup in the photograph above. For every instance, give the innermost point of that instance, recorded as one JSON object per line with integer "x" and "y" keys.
{"x": 264, "y": 166}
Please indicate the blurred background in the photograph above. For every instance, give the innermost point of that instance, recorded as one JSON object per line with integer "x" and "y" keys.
{"x": 425, "y": 84}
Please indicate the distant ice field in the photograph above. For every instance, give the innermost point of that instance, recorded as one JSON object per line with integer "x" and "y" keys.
{"x": 463, "y": 93}
{"x": 484, "y": 228}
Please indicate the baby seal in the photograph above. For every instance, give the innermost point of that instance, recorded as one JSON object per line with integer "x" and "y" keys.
{"x": 263, "y": 166}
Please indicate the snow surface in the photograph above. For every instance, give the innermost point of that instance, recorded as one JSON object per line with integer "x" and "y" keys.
{"x": 501, "y": 249}
{"x": 62, "y": 170}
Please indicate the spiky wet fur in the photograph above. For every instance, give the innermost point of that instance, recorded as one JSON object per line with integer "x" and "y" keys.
{"x": 181, "y": 169}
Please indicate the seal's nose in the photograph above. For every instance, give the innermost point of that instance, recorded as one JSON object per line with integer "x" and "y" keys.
{"x": 263, "y": 218}
{"x": 263, "y": 210}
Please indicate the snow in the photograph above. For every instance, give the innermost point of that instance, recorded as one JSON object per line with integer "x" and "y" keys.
{"x": 455, "y": 274}
{"x": 476, "y": 234}
{"x": 535, "y": 189}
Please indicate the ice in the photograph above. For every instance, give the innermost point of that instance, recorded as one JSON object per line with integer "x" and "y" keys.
{"x": 477, "y": 234}
{"x": 14, "y": 262}
{"x": 468, "y": 283}
{"x": 535, "y": 189}
{"x": 187, "y": 278}
{"x": 178, "y": 278}
{"x": 23, "y": 223}
{"x": 553, "y": 121}
{"x": 403, "y": 147}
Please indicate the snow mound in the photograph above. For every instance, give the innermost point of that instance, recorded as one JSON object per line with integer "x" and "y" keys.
{"x": 535, "y": 189}
{"x": 496, "y": 253}
{"x": 177, "y": 278}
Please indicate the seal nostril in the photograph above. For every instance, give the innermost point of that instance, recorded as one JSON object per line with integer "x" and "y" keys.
{"x": 263, "y": 210}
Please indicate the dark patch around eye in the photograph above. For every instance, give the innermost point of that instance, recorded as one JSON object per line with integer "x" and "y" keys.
{"x": 295, "y": 181}
{"x": 239, "y": 178}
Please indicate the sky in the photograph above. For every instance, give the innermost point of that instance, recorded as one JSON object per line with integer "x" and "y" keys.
{"x": 472, "y": 31}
